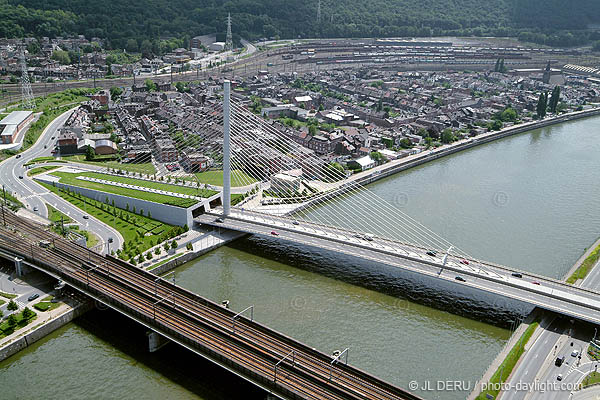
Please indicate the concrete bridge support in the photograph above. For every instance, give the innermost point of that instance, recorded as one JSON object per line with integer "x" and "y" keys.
{"x": 156, "y": 341}
{"x": 20, "y": 267}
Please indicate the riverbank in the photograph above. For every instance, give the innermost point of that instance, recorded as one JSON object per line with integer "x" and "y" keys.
{"x": 393, "y": 167}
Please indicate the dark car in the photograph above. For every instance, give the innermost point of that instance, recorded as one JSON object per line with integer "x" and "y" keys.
{"x": 18, "y": 156}
{"x": 20, "y": 176}
{"x": 274, "y": 233}
{"x": 86, "y": 217}
{"x": 460, "y": 279}
{"x": 536, "y": 283}
{"x": 431, "y": 253}
{"x": 33, "y": 297}
{"x": 559, "y": 361}
{"x": 295, "y": 222}
{"x": 219, "y": 220}
{"x": 517, "y": 275}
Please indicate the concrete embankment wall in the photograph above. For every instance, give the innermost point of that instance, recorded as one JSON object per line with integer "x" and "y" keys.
{"x": 40, "y": 332}
{"x": 162, "y": 212}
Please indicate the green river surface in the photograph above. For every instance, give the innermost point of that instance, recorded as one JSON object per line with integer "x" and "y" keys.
{"x": 528, "y": 201}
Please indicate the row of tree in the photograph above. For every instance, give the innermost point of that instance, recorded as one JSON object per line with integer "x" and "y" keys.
{"x": 544, "y": 104}
{"x": 141, "y": 26}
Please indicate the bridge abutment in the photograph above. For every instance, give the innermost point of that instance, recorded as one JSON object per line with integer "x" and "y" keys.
{"x": 156, "y": 341}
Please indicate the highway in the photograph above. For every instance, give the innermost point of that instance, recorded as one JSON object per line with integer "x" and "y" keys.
{"x": 537, "y": 290}
{"x": 35, "y": 196}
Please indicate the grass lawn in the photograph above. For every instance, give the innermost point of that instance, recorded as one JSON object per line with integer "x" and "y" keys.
{"x": 46, "y": 304}
{"x": 6, "y": 329}
{"x": 509, "y": 363}
{"x": 585, "y": 267}
{"x": 2, "y": 302}
{"x": 238, "y": 178}
{"x": 139, "y": 232}
{"x": 144, "y": 168}
{"x": 40, "y": 159}
{"x": 8, "y": 295}
{"x": 40, "y": 170}
{"x": 71, "y": 179}
{"x": 54, "y": 215}
{"x": 166, "y": 260}
{"x": 591, "y": 379}
{"x": 151, "y": 184}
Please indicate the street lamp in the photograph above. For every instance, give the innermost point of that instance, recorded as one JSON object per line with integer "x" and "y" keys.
{"x": 110, "y": 240}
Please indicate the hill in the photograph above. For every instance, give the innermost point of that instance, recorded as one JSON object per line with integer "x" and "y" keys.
{"x": 553, "y": 22}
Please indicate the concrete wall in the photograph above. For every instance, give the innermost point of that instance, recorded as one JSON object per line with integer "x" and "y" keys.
{"x": 40, "y": 332}
{"x": 162, "y": 212}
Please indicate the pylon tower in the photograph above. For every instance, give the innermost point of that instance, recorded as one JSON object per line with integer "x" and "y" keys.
{"x": 229, "y": 39}
{"x": 27, "y": 101}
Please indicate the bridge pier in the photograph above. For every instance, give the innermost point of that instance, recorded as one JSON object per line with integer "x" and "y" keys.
{"x": 156, "y": 341}
{"x": 19, "y": 267}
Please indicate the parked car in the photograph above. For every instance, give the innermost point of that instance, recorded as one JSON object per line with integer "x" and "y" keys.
{"x": 535, "y": 283}
{"x": 431, "y": 253}
{"x": 86, "y": 217}
{"x": 33, "y": 297}
{"x": 274, "y": 233}
{"x": 20, "y": 176}
{"x": 35, "y": 208}
{"x": 219, "y": 220}
{"x": 18, "y": 156}
{"x": 295, "y": 222}
{"x": 460, "y": 279}
{"x": 575, "y": 353}
{"x": 463, "y": 261}
{"x": 559, "y": 361}
{"x": 517, "y": 275}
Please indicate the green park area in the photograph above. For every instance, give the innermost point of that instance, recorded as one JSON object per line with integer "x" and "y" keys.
{"x": 110, "y": 162}
{"x": 585, "y": 267}
{"x": 140, "y": 232}
{"x": 215, "y": 177}
{"x": 505, "y": 369}
{"x": 16, "y": 321}
{"x": 40, "y": 170}
{"x": 592, "y": 379}
{"x": 71, "y": 179}
{"x": 46, "y": 304}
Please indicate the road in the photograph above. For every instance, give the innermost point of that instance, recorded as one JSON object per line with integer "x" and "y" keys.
{"x": 35, "y": 196}
{"x": 545, "y": 292}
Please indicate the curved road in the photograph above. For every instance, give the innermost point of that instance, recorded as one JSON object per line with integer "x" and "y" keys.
{"x": 35, "y": 196}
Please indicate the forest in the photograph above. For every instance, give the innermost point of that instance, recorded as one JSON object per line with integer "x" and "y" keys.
{"x": 548, "y": 22}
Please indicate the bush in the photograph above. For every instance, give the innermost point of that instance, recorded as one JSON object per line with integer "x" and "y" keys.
{"x": 189, "y": 246}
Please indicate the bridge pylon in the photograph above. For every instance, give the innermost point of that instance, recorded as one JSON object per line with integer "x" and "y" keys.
{"x": 226, "y": 193}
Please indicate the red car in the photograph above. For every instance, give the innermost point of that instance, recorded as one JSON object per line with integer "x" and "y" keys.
{"x": 535, "y": 283}
{"x": 274, "y": 233}
{"x": 463, "y": 261}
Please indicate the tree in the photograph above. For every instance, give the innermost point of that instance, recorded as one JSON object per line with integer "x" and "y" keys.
{"x": 542, "y": 105}
{"x": 146, "y": 48}
{"x": 127, "y": 207}
{"x": 12, "y": 306}
{"x": 405, "y": 143}
{"x": 376, "y": 156}
{"x": 132, "y": 46}
{"x": 12, "y": 321}
{"x": 34, "y": 47}
{"x": 554, "y": 99}
{"x": 166, "y": 246}
{"x": 151, "y": 86}
{"x": 173, "y": 244}
{"x": 509, "y": 114}
{"x": 447, "y": 136}
{"x": 180, "y": 87}
{"x": 189, "y": 246}
{"x": 27, "y": 313}
{"x": 149, "y": 214}
{"x": 61, "y": 56}
{"x": 157, "y": 251}
{"x": 149, "y": 256}
{"x": 89, "y": 153}
{"x": 115, "y": 92}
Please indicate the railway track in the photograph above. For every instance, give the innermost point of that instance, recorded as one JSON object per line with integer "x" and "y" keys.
{"x": 256, "y": 347}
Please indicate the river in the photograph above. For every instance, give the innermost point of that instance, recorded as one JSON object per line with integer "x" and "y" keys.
{"x": 526, "y": 201}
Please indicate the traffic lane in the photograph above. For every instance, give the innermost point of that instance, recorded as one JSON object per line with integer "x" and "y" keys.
{"x": 532, "y": 361}
{"x": 474, "y": 267}
{"x": 543, "y": 301}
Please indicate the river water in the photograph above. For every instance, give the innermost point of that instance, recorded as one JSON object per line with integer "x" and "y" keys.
{"x": 528, "y": 201}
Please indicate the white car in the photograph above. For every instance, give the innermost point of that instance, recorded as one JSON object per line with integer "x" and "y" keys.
{"x": 575, "y": 353}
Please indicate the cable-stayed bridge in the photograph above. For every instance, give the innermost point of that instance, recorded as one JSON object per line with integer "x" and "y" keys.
{"x": 279, "y": 182}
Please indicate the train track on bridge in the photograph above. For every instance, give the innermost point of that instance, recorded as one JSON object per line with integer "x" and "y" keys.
{"x": 278, "y": 363}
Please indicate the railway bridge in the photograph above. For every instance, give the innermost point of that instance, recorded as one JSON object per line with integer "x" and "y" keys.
{"x": 277, "y": 363}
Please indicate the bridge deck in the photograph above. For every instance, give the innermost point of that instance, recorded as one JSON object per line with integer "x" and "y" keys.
{"x": 541, "y": 291}
{"x": 277, "y": 363}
